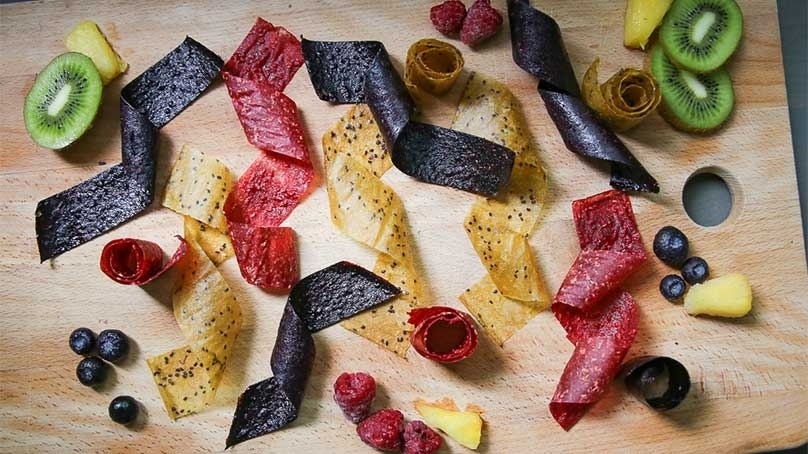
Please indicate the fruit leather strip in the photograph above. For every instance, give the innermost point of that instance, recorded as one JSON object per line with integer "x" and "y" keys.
{"x": 269, "y": 56}
{"x": 611, "y": 250}
{"x": 133, "y": 261}
{"x": 538, "y": 49}
{"x": 210, "y": 318}
{"x": 432, "y": 66}
{"x": 596, "y": 358}
{"x": 443, "y": 334}
{"x": 643, "y": 375}
{"x": 268, "y": 117}
{"x": 87, "y": 210}
{"x": 267, "y": 256}
{"x": 361, "y": 72}
{"x": 600, "y": 319}
{"x": 369, "y": 211}
{"x": 174, "y": 82}
{"x": 257, "y": 72}
{"x": 93, "y": 207}
{"x": 316, "y": 302}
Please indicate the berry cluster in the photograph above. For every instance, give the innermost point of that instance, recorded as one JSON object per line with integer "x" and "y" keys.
{"x": 475, "y": 26}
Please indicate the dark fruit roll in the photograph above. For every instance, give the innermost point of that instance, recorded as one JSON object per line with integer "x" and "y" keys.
{"x": 123, "y": 409}
{"x": 671, "y": 246}
{"x": 672, "y": 288}
{"x": 695, "y": 270}
{"x": 82, "y": 341}
{"x": 91, "y": 371}
{"x": 660, "y": 382}
{"x": 112, "y": 345}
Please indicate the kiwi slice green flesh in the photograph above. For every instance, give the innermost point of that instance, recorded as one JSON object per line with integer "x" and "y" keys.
{"x": 692, "y": 102}
{"x": 63, "y": 102}
{"x": 700, "y": 35}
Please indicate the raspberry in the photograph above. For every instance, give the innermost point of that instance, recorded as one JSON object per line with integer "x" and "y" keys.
{"x": 420, "y": 439}
{"x": 382, "y": 430}
{"x": 481, "y": 23}
{"x": 354, "y": 394}
{"x": 448, "y": 17}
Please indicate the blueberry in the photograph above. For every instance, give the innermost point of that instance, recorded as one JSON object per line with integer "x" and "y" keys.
{"x": 672, "y": 287}
{"x": 112, "y": 345}
{"x": 670, "y": 246}
{"x": 82, "y": 341}
{"x": 123, "y": 409}
{"x": 695, "y": 270}
{"x": 91, "y": 371}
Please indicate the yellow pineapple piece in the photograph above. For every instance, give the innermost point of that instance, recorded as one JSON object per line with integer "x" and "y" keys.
{"x": 642, "y": 18}
{"x": 725, "y": 296}
{"x": 86, "y": 38}
{"x": 464, "y": 427}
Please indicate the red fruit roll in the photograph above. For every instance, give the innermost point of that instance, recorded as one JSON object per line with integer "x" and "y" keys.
{"x": 443, "y": 334}
{"x": 131, "y": 261}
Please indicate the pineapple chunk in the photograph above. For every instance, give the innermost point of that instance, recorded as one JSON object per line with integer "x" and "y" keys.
{"x": 725, "y": 296}
{"x": 86, "y": 38}
{"x": 642, "y": 18}
{"x": 465, "y": 427}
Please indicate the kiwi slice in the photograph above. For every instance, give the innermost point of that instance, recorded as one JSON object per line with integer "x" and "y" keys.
{"x": 63, "y": 102}
{"x": 692, "y": 102}
{"x": 700, "y": 35}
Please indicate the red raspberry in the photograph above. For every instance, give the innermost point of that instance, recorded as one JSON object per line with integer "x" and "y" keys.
{"x": 354, "y": 394}
{"x": 382, "y": 430}
{"x": 448, "y": 17}
{"x": 420, "y": 439}
{"x": 481, "y": 23}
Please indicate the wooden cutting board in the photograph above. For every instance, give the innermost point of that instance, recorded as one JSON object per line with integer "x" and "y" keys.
{"x": 750, "y": 376}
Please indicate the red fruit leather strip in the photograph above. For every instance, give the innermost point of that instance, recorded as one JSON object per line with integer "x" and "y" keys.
{"x": 599, "y": 351}
{"x": 442, "y": 334}
{"x": 256, "y": 74}
{"x": 132, "y": 261}
{"x": 600, "y": 319}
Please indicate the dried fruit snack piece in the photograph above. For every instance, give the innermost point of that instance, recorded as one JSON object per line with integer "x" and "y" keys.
{"x": 367, "y": 210}
{"x": 600, "y": 319}
{"x": 512, "y": 292}
{"x": 482, "y": 22}
{"x": 256, "y": 74}
{"x": 432, "y": 66}
{"x": 172, "y": 84}
{"x": 464, "y": 427}
{"x": 624, "y": 100}
{"x": 316, "y": 302}
{"x": 210, "y": 319}
{"x": 138, "y": 262}
{"x": 86, "y": 38}
{"x": 357, "y": 135}
{"x": 539, "y": 50}
{"x": 360, "y": 71}
{"x": 601, "y": 342}
{"x": 442, "y": 334}
{"x": 198, "y": 186}
{"x": 216, "y": 244}
{"x": 645, "y": 375}
{"x": 85, "y": 211}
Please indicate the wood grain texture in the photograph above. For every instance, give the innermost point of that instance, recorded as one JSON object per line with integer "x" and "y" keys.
{"x": 750, "y": 375}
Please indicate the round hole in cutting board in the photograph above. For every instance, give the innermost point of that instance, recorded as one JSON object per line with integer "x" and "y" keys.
{"x": 707, "y": 198}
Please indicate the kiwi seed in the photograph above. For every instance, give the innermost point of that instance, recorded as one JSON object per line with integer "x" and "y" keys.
{"x": 692, "y": 102}
{"x": 700, "y": 35}
{"x": 63, "y": 102}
